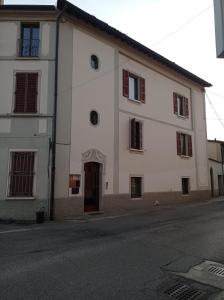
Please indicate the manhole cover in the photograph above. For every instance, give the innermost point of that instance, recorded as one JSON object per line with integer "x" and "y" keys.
{"x": 184, "y": 292}
{"x": 219, "y": 271}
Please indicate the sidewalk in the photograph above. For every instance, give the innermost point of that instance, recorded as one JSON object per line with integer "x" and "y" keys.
{"x": 11, "y": 226}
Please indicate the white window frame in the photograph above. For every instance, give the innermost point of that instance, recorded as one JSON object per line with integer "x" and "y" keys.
{"x": 9, "y": 171}
{"x": 137, "y": 78}
{"x": 181, "y": 98}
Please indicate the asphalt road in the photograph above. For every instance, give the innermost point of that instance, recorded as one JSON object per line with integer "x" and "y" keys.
{"x": 131, "y": 256}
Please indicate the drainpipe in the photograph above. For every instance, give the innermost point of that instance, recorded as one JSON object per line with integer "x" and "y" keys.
{"x": 54, "y": 120}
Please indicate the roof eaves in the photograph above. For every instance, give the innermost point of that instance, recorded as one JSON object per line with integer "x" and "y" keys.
{"x": 28, "y": 7}
{"x": 81, "y": 14}
{"x": 216, "y": 141}
{"x": 217, "y": 161}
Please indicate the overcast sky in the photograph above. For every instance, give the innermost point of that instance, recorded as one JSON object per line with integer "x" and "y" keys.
{"x": 181, "y": 30}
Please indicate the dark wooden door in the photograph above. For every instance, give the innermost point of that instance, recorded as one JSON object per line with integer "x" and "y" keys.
{"x": 92, "y": 186}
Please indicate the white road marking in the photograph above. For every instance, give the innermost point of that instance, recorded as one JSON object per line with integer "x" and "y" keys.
{"x": 18, "y": 230}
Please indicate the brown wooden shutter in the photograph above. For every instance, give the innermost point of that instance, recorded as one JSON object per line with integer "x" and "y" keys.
{"x": 31, "y": 103}
{"x": 189, "y": 145}
{"x": 20, "y": 93}
{"x": 142, "y": 90}
{"x": 26, "y": 93}
{"x": 133, "y": 134}
{"x": 125, "y": 83}
{"x": 175, "y": 105}
{"x": 186, "y": 107}
{"x": 178, "y": 144}
{"x": 140, "y": 136}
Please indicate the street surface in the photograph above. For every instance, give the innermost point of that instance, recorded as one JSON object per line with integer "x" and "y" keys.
{"x": 137, "y": 255}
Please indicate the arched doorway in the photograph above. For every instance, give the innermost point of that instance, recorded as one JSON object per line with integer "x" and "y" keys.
{"x": 212, "y": 182}
{"x": 92, "y": 186}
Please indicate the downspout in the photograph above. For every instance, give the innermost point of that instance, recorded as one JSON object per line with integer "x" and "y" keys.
{"x": 54, "y": 120}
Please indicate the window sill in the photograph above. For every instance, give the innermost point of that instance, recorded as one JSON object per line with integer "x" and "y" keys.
{"x": 24, "y": 115}
{"x": 184, "y": 156}
{"x": 140, "y": 151}
{"x": 181, "y": 117}
{"x": 135, "y": 198}
{"x": 134, "y": 101}
{"x": 27, "y": 58}
{"x": 20, "y": 198}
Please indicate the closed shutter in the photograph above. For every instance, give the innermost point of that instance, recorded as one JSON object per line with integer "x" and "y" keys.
{"x": 26, "y": 93}
{"x": 125, "y": 83}
{"x": 140, "y": 136}
{"x": 175, "y": 105}
{"x": 189, "y": 146}
{"x": 142, "y": 90}
{"x": 20, "y": 93}
{"x": 186, "y": 107}
{"x": 133, "y": 134}
{"x": 22, "y": 174}
{"x": 178, "y": 143}
{"x": 31, "y": 93}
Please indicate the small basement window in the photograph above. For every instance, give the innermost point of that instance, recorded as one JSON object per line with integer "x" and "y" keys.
{"x": 136, "y": 187}
{"x": 185, "y": 186}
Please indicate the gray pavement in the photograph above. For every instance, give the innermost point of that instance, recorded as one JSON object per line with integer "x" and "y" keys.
{"x": 131, "y": 256}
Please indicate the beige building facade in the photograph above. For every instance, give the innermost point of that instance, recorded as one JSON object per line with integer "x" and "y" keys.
{"x": 98, "y": 122}
{"x": 27, "y": 68}
{"x": 131, "y": 129}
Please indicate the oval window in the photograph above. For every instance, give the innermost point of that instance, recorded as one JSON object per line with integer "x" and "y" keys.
{"x": 94, "y": 62}
{"x": 94, "y": 118}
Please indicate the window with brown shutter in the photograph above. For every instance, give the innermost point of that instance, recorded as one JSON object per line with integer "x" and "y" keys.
{"x": 21, "y": 174}
{"x": 178, "y": 144}
{"x": 125, "y": 83}
{"x": 142, "y": 90}
{"x": 189, "y": 145}
{"x": 180, "y": 105}
{"x": 135, "y": 134}
{"x": 186, "y": 107}
{"x": 26, "y": 93}
{"x": 133, "y": 87}
{"x": 175, "y": 105}
{"x": 184, "y": 144}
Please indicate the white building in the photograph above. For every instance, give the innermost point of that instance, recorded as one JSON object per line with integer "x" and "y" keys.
{"x": 131, "y": 127}
{"x": 130, "y": 130}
